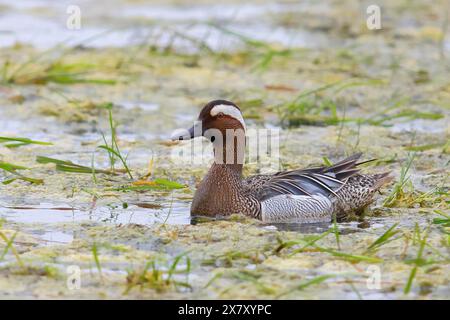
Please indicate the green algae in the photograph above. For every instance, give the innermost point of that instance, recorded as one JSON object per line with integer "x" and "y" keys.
{"x": 336, "y": 101}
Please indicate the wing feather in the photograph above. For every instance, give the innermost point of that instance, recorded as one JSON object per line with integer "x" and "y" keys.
{"x": 325, "y": 181}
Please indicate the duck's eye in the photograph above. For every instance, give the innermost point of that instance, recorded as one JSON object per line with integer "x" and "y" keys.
{"x": 213, "y": 139}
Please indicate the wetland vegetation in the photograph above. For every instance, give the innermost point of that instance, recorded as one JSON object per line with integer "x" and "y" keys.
{"x": 89, "y": 189}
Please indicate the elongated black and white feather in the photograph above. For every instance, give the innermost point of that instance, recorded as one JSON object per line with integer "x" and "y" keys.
{"x": 325, "y": 181}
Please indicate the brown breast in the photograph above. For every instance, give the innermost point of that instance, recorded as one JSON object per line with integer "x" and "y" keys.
{"x": 221, "y": 193}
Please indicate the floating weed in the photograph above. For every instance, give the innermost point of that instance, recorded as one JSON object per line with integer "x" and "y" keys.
{"x": 308, "y": 108}
{"x": 173, "y": 269}
{"x": 94, "y": 176}
{"x": 13, "y": 169}
{"x": 305, "y": 284}
{"x": 306, "y": 242}
{"x": 158, "y": 279}
{"x": 113, "y": 148}
{"x": 53, "y": 71}
{"x": 218, "y": 275}
{"x": 69, "y": 166}
{"x": 96, "y": 259}
{"x": 350, "y": 257}
{"x": 426, "y": 147}
{"x": 169, "y": 212}
{"x": 156, "y": 184}
{"x": 227, "y": 258}
{"x": 327, "y": 161}
{"x": 198, "y": 43}
{"x": 149, "y": 171}
{"x": 119, "y": 156}
{"x": 385, "y": 238}
{"x": 310, "y": 241}
{"x": 9, "y": 246}
{"x": 419, "y": 260}
{"x": 13, "y": 142}
{"x": 444, "y": 225}
{"x": 355, "y": 290}
{"x": 434, "y": 198}
{"x": 406, "y": 114}
{"x": 445, "y": 221}
{"x": 267, "y": 57}
{"x": 336, "y": 233}
{"x": 264, "y": 52}
{"x": 249, "y": 276}
{"x": 398, "y": 191}
{"x": 11, "y": 77}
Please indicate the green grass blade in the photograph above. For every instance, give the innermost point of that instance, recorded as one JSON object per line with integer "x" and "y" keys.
{"x": 96, "y": 258}
{"x": 384, "y": 238}
{"x": 13, "y": 142}
{"x": 350, "y": 257}
{"x": 306, "y": 284}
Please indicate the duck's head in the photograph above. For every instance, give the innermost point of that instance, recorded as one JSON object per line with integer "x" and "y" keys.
{"x": 217, "y": 117}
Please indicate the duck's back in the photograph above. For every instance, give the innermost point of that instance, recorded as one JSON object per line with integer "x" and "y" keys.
{"x": 315, "y": 194}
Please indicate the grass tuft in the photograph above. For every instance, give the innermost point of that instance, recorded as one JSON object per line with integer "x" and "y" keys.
{"x": 154, "y": 277}
{"x": 69, "y": 166}
{"x": 314, "y": 281}
{"x": 384, "y": 239}
{"x": 12, "y": 142}
{"x": 97, "y": 259}
{"x": 419, "y": 260}
{"x": 398, "y": 190}
{"x": 13, "y": 169}
{"x": 113, "y": 148}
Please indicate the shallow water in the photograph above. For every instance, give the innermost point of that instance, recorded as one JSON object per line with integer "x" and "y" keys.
{"x": 159, "y": 90}
{"x": 44, "y": 27}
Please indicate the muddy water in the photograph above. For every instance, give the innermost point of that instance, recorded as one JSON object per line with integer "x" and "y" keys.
{"x": 166, "y": 61}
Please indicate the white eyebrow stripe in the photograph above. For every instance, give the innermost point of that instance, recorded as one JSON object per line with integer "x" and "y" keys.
{"x": 230, "y": 111}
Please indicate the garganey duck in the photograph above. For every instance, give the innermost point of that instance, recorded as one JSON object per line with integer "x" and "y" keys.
{"x": 303, "y": 195}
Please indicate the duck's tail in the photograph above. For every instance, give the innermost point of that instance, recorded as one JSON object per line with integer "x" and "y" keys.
{"x": 381, "y": 179}
{"x": 358, "y": 193}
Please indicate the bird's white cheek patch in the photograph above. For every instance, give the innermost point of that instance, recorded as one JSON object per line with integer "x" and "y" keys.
{"x": 229, "y": 111}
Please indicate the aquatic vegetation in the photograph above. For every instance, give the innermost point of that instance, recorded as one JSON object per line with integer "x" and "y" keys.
{"x": 310, "y": 108}
{"x": 444, "y": 225}
{"x": 430, "y": 146}
{"x": 11, "y": 142}
{"x": 36, "y": 70}
{"x": 403, "y": 193}
{"x": 264, "y": 52}
{"x": 227, "y": 258}
{"x": 306, "y": 284}
{"x": 309, "y": 243}
{"x": 97, "y": 259}
{"x": 69, "y": 166}
{"x": 306, "y": 242}
{"x": 336, "y": 232}
{"x": 253, "y": 277}
{"x": 361, "y": 90}
{"x": 156, "y": 184}
{"x": 41, "y": 271}
{"x": 422, "y": 239}
{"x": 398, "y": 191}
{"x": 154, "y": 277}
{"x": 445, "y": 221}
{"x": 397, "y": 110}
{"x": 9, "y": 246}
{"x": 327, "y": 161}
{"x": 113, "y": 148}
{"x": 384, "y": 239}
{"x": 348, "y": 256}
{"x": 13, "y": 169}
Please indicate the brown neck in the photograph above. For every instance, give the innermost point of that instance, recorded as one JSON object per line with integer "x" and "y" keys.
{"x": 230, "y": 153}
